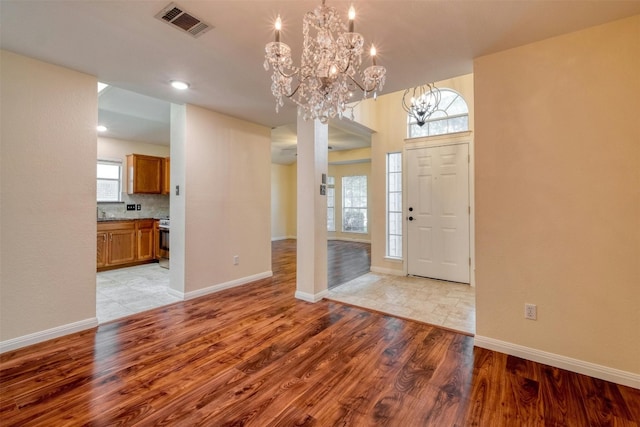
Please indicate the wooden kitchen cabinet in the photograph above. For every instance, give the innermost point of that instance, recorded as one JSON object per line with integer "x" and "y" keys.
{"x": 145, "y": 243}
{"x": 144, "y": 174}
{"x": 121, "y": 243}
{"x": 102, "y": 250}
{"x": 166, "y": 175}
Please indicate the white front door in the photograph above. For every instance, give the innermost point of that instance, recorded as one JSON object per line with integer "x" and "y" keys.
{"x": 438, "y": 212}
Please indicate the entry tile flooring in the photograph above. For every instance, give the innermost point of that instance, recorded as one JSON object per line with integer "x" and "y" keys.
{"x": 130, "y": 290}
{"x": 447, "y": 304}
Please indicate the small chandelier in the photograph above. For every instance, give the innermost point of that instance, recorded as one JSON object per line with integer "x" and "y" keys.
{"x": 424, "y": 102}
{"x": 329, "y": 73}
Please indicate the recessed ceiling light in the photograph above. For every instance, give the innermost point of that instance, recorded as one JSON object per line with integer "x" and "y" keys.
{"x": 101, "y": 128}
{"x": 177, "y": 84}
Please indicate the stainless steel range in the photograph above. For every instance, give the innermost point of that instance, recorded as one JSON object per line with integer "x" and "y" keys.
{"x": 163, "y": 245}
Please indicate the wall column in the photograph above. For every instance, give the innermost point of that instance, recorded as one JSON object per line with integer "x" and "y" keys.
{"x": 311, "y": 276}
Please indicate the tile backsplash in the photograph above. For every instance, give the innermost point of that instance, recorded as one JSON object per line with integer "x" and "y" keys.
{"x": 152, "y": 206}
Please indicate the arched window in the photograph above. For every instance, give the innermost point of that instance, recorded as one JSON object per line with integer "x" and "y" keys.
{"x": 451, "y": 116}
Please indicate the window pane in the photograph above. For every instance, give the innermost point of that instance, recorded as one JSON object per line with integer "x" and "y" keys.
{"x": 394, "y": 205}
{"x": 108, "y": 181}
{"x": 395, "y": 202}
{"x": 459, "y": 124}
{"x": 354, "y": 204}
{"x": 458, "y": 107}
{"x": 441, "y": 122}
{"x": 331, "y": 200}
{"x": 438, "y": 127}
{"x": 108, "y": 171}
{"x": 108, "y": 190}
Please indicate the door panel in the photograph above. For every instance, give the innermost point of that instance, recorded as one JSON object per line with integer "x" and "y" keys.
{"x": 438, "y": 192}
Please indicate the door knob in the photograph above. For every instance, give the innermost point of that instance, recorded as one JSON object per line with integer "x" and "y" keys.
{"x": 410, "y": 218}
{"x": 410, "y": 209}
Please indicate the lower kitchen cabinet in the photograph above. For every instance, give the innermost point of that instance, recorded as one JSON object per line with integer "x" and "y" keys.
{"x": 122, "y": 243}
{"x": 102, "y": 251}
{"x": 145, "y": 242}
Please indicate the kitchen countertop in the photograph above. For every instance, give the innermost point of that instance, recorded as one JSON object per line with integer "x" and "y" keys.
{"x": 123, "y": 219}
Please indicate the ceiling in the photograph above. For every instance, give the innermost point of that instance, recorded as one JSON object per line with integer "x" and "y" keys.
{"x": 124, "y": 45}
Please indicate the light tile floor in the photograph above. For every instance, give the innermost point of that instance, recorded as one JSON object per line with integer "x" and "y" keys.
{"x": 447, "y": 304}
{"x": 130, "y": 290}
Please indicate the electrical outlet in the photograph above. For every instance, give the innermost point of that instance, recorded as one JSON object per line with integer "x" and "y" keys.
{"x": 236, "y": 260}
{"x": 530, "y": 311}
{"x": 138, "y": 207}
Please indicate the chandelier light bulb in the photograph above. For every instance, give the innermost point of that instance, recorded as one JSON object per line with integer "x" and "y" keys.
{"x": 278, "y": 28}
{"x": 373, "y": 52}
{"x": 352, "y": 17}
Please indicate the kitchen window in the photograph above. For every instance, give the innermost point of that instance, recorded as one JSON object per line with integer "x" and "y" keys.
{"x": 109, "y": 182}
{"x": 354, "y": 204}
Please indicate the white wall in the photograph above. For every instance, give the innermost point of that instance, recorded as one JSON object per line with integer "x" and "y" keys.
{"x": 48, "y": 193}
{"x": 558, "y": 197}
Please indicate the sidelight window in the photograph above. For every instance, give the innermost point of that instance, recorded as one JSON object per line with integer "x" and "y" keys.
{"x": 394, "y": 205}
{"x": 331, "y": 203}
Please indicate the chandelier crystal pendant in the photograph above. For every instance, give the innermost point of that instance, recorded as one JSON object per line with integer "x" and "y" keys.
{"x": 329, "y": 73}
{"x": 423, "y": 103}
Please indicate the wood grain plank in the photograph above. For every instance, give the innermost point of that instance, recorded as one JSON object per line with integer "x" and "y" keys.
{"x": 256, "y": 356}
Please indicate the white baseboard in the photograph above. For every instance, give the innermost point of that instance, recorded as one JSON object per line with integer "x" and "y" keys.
{"x": 348, "y": 239}
{"x": 386, "y": 271}
{"x": 227, "y": 285}
{"x": 563, "y": 362}
{"x": 176, "y": 293}
{"x": 273, "y": 239}
{"x": 47, "y": 335}
{"x": 305, "y": 296}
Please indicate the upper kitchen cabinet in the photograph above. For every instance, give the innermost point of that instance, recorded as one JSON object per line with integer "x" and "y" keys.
{"x": 144, "y": 174}
{"x": 166, "y": 175}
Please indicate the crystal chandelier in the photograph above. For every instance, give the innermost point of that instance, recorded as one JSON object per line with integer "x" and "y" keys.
{"x": 329, "y": 73}
{"x": 424, "y": 101}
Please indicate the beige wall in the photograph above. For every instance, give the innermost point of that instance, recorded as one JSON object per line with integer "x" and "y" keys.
{"x": 282, "y": 194}
{"x": 558, "y": 195}
{"x": 48, "y": 193}
{"x": 227, "y": 199}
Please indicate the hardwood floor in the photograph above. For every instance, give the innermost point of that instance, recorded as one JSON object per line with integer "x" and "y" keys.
{"x": 256, "y": 356}
{"x": 346, "y": 261}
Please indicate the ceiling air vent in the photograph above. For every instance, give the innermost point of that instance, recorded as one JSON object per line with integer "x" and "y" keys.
{"x": 182, "y": 20}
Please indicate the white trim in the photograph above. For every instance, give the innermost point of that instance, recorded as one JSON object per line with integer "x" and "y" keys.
{"x": 313, "y": 298}
{"x": 48, "y": 334}
{"x": 383, "y": 270}
{"x": 347, "y": 239}
{"x": 176, "y": 293}
{"x": 617, "y": 376}
{"x": 227, "y": 285}
{"x": 273, "y": 239}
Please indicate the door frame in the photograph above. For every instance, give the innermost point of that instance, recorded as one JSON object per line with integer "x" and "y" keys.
{"x": 440, "y": 141}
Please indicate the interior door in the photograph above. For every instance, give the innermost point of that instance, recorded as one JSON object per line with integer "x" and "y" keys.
{"x": 438, "y": 212}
